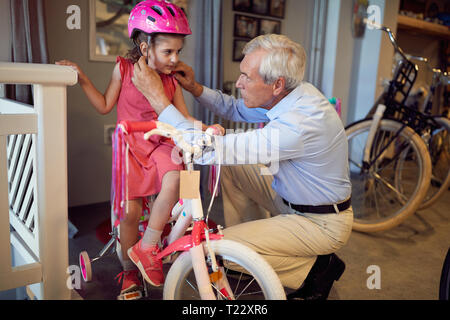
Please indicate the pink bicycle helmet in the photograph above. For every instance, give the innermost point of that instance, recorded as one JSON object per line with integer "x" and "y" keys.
{"x": 151, "y": 16}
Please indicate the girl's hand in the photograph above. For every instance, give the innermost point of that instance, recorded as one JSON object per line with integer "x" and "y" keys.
{"x": 81, "y": 76}
{"x": 218, "y": 129}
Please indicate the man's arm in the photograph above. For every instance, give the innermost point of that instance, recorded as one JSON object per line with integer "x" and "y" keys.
{"x": 230, "y": 108}
{"x": 149, "y": 83}
{"x": 221, "y": 104}
{"x": 275, "y": 142}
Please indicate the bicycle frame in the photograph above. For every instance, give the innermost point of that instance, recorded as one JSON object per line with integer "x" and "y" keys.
{"x": 194, "y": 243}
{"x": 198, "y": 241}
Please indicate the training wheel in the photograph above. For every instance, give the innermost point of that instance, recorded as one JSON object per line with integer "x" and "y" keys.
{"x": 85, "y": 265}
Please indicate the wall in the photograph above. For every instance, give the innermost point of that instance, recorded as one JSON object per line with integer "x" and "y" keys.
{"x": 5, "y": 31}
{"x": 353, "y": 68}
{"x": 296, "y": 25}
{"x": 5, "y": 35}
{"x": 89, "y": 159}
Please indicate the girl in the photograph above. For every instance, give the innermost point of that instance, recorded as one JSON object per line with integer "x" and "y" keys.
{"x": 157, "y": 29}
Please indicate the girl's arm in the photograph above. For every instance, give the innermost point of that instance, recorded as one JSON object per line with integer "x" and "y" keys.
{"x": 178, "y": 102}
{"x": 103, "y": 103}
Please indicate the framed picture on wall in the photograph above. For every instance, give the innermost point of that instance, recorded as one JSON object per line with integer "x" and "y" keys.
{"x": 260, "y": 7}
{"x": 245, "y": 26}
{"x": 108, "y": 30}
{"x": 238, "y": 46}
{"x": 269, "y": 26}
{"x": 277, "y": 8}
{"x": 242, "y": 5}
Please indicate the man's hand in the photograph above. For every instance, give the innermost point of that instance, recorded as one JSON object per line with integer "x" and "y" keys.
{"x": 186, "y": 78}
{"x": 149, "y": 83}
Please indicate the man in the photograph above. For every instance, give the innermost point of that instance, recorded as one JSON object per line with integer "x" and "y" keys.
{"x": 308, "y": 196}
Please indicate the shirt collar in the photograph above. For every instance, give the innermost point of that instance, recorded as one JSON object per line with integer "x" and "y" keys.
{"x": 285, "y": 104}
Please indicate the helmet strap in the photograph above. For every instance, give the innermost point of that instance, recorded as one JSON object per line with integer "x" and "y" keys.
{"x": 137, "y": 44}
{"x": 149, "y": 37}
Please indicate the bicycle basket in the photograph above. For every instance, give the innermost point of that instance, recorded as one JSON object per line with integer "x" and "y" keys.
{"x": 399, "y": 89}
{"x": 400, "y": 86}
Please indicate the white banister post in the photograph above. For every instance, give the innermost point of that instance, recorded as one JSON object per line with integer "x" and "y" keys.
{"x": 51, "y": 163}
{"x": 50, "y": 169}
{"x": 5, "y": 249}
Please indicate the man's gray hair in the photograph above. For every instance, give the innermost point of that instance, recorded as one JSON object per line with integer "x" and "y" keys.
{"x": 285, "y": 58}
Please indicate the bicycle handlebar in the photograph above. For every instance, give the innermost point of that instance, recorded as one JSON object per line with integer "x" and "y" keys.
{"x": 136, "y": 126}
{"x": 163, "y": 129}
{"x": 390, "y": 34}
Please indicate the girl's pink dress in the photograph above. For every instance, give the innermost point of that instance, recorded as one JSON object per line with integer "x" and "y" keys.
{"x": 148, "y": 160}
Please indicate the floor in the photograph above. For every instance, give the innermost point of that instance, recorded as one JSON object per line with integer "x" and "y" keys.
{"x": 404, "y": 263}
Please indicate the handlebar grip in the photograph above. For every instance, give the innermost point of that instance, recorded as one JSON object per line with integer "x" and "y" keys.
{"x": 138, "y": 126}
{"x": 213, "y": 131}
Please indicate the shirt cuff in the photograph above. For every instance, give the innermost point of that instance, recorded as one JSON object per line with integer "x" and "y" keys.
{"x": 171, "y": 115}
{"x": 207, "y": 96}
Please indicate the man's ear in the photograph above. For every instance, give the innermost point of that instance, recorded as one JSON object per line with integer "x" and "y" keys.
{"x": 278, "y": 86}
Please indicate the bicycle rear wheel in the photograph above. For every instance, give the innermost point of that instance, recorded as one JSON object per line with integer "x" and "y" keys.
{"x": 394, "y": 183}
{"x": 254, "y": 279}
{"x": 439, "y": 149}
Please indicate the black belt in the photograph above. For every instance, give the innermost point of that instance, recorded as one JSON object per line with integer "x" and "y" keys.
{"x": 320, "y": 209}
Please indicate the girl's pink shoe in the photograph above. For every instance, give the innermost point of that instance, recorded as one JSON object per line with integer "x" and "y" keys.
{"x": 150, "y": 267}
{"x": 130, "y": 281}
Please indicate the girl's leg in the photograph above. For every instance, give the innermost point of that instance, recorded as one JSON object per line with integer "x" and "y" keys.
{"x": 143, "y": 254}
{"x": 163, "y": 204}
{"x": 129, "y": 230}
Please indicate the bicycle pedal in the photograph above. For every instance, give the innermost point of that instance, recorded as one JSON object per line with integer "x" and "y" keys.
{"x": 170, "y": 258}
{"x": 132, "y": 295}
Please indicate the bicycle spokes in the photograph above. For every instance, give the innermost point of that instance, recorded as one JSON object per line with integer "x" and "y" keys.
{"x": 385, "y": 184}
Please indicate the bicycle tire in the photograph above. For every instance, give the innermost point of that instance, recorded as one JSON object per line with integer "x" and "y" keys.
{"x": 394, "y": 206}
{"x": 439, "y": 149}
{"x": 444, "y": 284}
{"x": 175, "y": 287}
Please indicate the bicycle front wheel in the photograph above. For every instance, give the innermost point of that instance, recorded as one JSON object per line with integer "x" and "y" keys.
{"x": 393, "y": 184}
{"x": 254, "y": 278}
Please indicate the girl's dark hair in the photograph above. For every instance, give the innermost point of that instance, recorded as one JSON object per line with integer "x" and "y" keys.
{"x": 135, "y": 53}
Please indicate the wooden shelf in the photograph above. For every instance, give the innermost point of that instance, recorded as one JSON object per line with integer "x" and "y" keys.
{"x": 423, "y": 27}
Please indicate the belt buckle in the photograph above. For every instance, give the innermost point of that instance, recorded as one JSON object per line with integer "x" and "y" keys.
{"x": 289, "y": 204}
{"x": 336, "y": 208}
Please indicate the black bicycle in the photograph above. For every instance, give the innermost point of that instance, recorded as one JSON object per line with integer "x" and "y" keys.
{"x": 396, "y": 152}
{"x": 444, "y": 287}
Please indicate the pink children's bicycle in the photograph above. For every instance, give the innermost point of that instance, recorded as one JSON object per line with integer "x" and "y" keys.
{"x": 203, "y": 264}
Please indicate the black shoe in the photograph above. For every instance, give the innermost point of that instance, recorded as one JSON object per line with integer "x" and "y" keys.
{"x": 318, "y": 283}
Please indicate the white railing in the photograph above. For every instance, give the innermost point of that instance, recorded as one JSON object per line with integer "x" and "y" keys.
{"x": 33, "y": 181}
